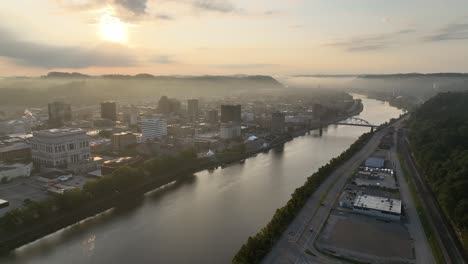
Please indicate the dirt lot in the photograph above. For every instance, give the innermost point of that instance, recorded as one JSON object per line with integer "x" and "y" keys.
{"x": 365, "y": 238}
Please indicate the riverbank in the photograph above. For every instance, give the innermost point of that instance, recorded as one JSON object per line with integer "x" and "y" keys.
{"x": 34, "y": 231}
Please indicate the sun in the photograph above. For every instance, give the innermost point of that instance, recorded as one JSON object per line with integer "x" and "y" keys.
{"x": 112, "y": 29}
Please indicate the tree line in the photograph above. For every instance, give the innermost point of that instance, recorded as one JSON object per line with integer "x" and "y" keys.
{"x": 116, "y": 184}
{"x": 438, "y": 132}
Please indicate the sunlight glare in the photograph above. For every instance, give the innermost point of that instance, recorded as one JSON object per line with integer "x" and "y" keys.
{"x": 111, "y": 28}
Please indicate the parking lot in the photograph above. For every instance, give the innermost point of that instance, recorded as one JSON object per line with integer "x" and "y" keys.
{"x": 16, "y": 191}
{"x": 366, "y": 238}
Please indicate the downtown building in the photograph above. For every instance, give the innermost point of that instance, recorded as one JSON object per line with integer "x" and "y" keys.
{"x": 277, "y": 123}
{"x": 121, "y": 141}
{"x": 193, "y": 108}
{"x": 66, "y": 148}
{"x": 153, "y": 128}
{"x": 231, "y": 113}
{"x": 59, "y": 114}
{"x": 109, "y": 110}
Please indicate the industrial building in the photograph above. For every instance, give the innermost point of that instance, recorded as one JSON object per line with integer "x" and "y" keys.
{"x": 153, "y": 128}
{"x": 60, "y": 148}
{"x": 374, "y": 162}
{"x": 382, "y": 207}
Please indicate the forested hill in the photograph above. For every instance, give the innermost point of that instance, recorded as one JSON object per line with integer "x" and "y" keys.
{"x": 439, "y": 138}
{"x": 78, "y": 88}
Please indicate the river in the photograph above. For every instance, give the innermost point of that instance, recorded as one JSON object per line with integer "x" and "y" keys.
{"x": 208, "y": 216}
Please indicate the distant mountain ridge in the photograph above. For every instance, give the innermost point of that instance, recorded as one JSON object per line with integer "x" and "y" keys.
{"x": 414, "y": 75}
{"x": 77, "y": 75}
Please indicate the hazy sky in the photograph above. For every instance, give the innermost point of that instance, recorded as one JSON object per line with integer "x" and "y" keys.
{"x": 231, "y": 37}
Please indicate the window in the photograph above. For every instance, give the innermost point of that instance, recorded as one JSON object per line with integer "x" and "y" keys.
{"x": 71, "y": 146}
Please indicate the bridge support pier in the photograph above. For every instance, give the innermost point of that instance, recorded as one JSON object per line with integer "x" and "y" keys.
{"x": 372, "y": 129}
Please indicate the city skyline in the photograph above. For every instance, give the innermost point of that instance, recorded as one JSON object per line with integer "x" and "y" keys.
{"x": 232, "y": 37}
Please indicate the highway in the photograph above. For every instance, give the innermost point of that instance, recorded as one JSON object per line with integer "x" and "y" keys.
{"x": 304, "y": 230}
{"x": 446, "y": 237}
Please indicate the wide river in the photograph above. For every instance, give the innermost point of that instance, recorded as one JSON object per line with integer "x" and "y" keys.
{"x": 205, "y": 218}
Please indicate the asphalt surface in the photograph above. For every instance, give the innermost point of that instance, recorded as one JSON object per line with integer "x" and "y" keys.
{"x": 305, "y": 228}
{"x": 422, "y": 249}
{"x": 444, "y": 233}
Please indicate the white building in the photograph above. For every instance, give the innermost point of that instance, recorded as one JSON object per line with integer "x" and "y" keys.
{"x": 153, "y": 128}
{"x": 374, "y": 162}
{"x": 63, "y": 148}
{"x": 15, "y": 170}
{"x": 230, "y": 130}
{"x": 378, "y": 206}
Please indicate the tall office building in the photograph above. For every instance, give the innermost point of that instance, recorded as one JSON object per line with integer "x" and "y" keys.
{"x": 230, "y": 113}
{"x": 163, "y": 105}
{"x": 277, "y": 123}
{"x": 192, "y": 108}
{"x": 213, "y": 116}
{"x": 61, "y": 148}
{"x": 166, "y": 105}
{"x": 153, "y": 128}
{"x": 109, "y": 110}
{"x": 59, "y": 113}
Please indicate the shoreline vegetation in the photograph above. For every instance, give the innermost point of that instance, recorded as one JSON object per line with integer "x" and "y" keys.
{"x": 258, "y": 246}
{"x": 36, "y": 219}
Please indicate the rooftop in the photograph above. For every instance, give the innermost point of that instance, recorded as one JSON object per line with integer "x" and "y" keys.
{"x": 378, "y": 203}
{"x": 59, "y": 132}
{"x": 4, "y": 146}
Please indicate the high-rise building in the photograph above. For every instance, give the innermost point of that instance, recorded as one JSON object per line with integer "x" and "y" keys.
{"x": 109, "y": 110}
{"x": 62, "y": 148}
{"x": 230, "y": 113}
{"x": 166, "y": 105}
{"x": 277, "y": 122}
{"x": 192, "y": 108}
{"x": 213, "y": 116}
{"x": 153, "y": 128}
{"x": 174, "y": 106}
{"x": 59, "y": 113}
{"x": 121, "y": 141}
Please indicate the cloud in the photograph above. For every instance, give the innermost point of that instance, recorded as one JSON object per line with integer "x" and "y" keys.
{"x": 137, "y": 7}
{"x": 28, "y": 53}
{"x": 454, "y": 31}
{"x": 222, "y": 6}
{"x": 372, "y": 42}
